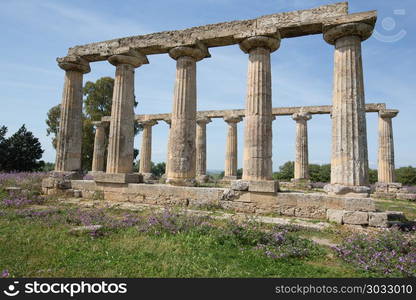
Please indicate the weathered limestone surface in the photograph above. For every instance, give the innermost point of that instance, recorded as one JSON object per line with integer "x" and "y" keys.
{"x": 99, "y": 147}
{"x": 258, "y": 116}
{"x": 349, "y": 161}
{"x": 386, "y": 172}
{"x": 301, "y": 159}
{"x": 183, "y": 129}
{"x": 69, "y": 141}
{"x": 201, "y": 149}
{"x": 230, "y": 170}
{"x": 121, "y": 137}
{"x": 276, "y": 111}
{"x": 290, "y": 24}
{"x": 310, "y": 205}
{"x": 146, "y": 149}
{"x": 167, "y": 121}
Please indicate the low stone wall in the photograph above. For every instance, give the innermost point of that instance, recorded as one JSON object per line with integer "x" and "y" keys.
{"x": 343, "y": 210}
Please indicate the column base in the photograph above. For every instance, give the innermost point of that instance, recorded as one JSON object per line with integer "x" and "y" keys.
{"x": 347, "y": 191}
{"x": 118, "y": 178}
{"x": 59, "y": 181}
{"x": 391, "y": 187}
{"x": 202, "y": 178}
{"x": 181, "y": 181}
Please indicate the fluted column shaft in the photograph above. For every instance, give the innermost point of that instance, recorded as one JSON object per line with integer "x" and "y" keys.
{"x": 121, "y": 137}
{"x": 99, "y": 148}
{"x": 201, "y": 147}
{"x": 182, "y": 148}
{"x": 258, "y": 113}
{"x": 146, "y": 147}
{"x": 349, "y": 161}
{"x": 231, "y": 165}
{"x": 69, "y": 140}
{"x": 386, "y": 168}
{"x": 168, "y": 121}
{"x": 301, "y": 158}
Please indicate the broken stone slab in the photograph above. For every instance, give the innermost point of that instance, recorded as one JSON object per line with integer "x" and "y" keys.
{"x": 405, "y": 196}
{"x": 355, "y": 218}
{"x": 85, "y": 229}
{"x": 335, "y": 215}
{"x": 344, "y": 190}
{"x": 13, "y": 190}
{"x": 239, "y": 185}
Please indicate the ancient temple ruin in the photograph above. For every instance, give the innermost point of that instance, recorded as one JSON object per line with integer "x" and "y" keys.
{"x": 346, "y": 197}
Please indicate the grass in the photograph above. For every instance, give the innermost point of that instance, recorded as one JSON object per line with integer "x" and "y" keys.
{"x": 407, "y": 207}
{"x": 30, "y": 248}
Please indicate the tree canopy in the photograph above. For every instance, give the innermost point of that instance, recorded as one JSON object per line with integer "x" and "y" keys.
{"x": 20, "y": 152}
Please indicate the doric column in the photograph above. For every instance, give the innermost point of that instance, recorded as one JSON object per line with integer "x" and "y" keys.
{"x": 121, "y": 138}
{"x": 349, "y": 161}
{"x": 201, "y": 148}
{"x": 386, "y": 172}
{"x": 146, "y": 149}
{"x": 231, "y": 165}
{"x": 69, "y": 141}
{"x": 182, "y": 133}
{"x": 168, "y": 121}
{"x": 99, "y": 147}
{"x": 258, "y": 112}
{"x": 301, "y": 160}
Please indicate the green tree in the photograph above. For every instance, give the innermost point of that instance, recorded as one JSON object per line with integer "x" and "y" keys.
{"x": 325, "y": 173}
{"x": 97, "y": 104}
{"x": 158, "y": 169}
{"x": 372, "y": 176}
{"x": 286, "y": 171}
{"x": 23, "y": 152}
{"x": 3, "y": 146}
{"x": 406, "y": 175}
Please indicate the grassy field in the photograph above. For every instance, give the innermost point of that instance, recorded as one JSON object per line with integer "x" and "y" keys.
{"x": 30, "y": 248}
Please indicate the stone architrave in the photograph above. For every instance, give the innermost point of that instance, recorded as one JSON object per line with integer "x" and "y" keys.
{"x": 146, "y": 149}
{"x": 98, "y": 157}
{"x": 182, "y": 148}
{"x": 231, "y": 165}
{"x": 301, "y": 159}
{"x": 386, "y": 168}
{"x": 349, "y": 161}
{"x": 69, "y": 140}
{"x": 258, "y": 114}
{"x": 121, "y": 137}
{"x": 201, "y": 149}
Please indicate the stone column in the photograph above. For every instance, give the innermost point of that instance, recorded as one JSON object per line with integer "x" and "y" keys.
{"x": 182, "y": 146}
{"x": 146, "y": 149}
{"x": 386, "y": 170}
{"x": 99, "y": 147}
{"x": 168, "y": 121}
{"x": 349, "y": 161}
{"x": 121, "y": 138}
{"x": 231, "y": 165}
{"x": 258, "y": 112}
{"x": 301, "y": 161}
{"x": 69, "y": 140}
{"x": 201, "y": 149}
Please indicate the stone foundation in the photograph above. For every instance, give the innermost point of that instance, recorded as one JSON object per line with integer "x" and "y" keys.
{"x": 310, "y": 205}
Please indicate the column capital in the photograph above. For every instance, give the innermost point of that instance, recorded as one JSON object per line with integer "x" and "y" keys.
{"x": 130, "y": 57}
{"x": 203, "y": 120}
{"x": 301, "y": 116}
{"x": 197, "y": 51}
{"x": 148, "y": 123}
{"x": 74, "y": 63}
{"x": 232, "y": 119}
{"x": 260, "y": 41}
{"x": 388, "y": 113}
{"x": 332, "y": 33}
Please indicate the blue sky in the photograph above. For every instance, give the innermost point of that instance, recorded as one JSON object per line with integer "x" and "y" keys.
{"x": 35, "y": 32}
